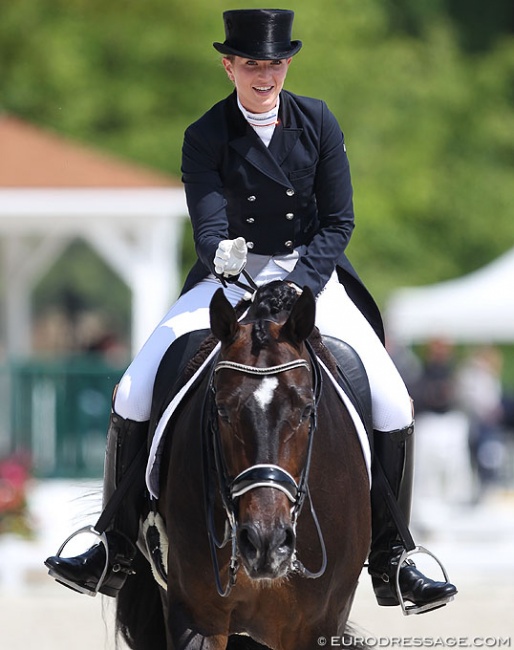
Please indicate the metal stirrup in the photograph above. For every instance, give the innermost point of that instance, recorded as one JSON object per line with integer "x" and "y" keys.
{"x": 408, "y": 610}
{"x": 77, "y": 587}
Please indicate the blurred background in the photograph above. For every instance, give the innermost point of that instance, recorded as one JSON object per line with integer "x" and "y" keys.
{"x": 95, "y": 242}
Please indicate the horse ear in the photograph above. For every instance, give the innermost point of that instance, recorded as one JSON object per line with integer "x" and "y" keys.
{"x": 300, "y": 323}
{"x": 224, "y": 323}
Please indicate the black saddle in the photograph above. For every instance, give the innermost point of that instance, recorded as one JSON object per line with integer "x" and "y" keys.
{"x": 353, "y": 379}
{"x": 171, "y": 374}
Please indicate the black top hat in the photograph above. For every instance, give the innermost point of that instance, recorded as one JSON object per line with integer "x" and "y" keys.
{"x": 260, "y": 34}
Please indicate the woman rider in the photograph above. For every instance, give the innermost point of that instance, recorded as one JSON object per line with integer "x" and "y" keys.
{"x": 268, "y": 187}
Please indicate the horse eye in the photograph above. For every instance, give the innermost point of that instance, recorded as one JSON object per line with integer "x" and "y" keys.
{"x": 222, "y": 412}
{"x": 307, "y": 411}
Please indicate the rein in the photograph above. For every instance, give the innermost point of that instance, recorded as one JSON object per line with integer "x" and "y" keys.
{"x": 260, "y": 475}
{"x": 251, "y": 287}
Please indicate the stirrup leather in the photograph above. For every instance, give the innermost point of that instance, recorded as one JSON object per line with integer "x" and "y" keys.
{"x": 408, "y": 610}
{"x": 72, "y": 585}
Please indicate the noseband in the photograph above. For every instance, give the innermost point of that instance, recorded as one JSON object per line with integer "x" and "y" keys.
{"x": 257, "y": 476}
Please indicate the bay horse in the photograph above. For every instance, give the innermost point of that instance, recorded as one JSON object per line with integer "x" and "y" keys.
{"x": 263, "y": 434}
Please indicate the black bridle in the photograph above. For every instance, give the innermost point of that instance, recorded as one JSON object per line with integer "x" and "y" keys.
{"x": 260, "y": 475}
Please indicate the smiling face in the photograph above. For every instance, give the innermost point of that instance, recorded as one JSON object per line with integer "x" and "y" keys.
{"x": 258, "y": 83}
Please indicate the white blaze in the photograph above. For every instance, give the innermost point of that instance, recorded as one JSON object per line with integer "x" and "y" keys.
{"x": 264, "y": 394}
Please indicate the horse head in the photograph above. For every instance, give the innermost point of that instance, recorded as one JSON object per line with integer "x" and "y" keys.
{"x": 265, "y": 406}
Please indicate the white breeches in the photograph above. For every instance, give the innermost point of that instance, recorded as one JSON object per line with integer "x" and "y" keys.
{"x": 336, "y": 315}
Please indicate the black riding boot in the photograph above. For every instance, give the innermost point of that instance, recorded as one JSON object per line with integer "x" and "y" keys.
{"x": 394, "y": 451}
{"x": 83, "y": 573}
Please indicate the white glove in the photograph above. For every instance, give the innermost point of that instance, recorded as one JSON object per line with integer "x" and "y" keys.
{"x": 230, "y": 258}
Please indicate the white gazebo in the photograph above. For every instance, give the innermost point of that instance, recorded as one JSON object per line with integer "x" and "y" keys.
{"x": 53, "y": 191}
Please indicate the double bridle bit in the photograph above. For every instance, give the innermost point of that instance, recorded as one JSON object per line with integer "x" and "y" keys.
{"x": 262, "y": 475}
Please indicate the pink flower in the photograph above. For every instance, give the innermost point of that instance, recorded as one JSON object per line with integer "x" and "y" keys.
{"x": 14, "y": 472}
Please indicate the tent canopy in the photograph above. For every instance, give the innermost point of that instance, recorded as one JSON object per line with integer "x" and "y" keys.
{"x": 477, "y": 308}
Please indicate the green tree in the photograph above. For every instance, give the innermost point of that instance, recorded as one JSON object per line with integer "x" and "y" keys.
{"x": 428, "y": 119}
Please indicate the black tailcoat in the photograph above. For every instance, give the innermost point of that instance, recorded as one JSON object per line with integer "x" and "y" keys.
{"x": 295, "y": 192}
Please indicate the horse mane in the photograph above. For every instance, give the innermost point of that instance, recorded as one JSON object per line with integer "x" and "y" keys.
{"x": 273, "y": 300}
{"x": 270, "y": 302}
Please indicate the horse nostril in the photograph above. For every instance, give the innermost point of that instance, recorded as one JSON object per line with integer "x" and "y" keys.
{"x": 249, "y": 541}
{"x": 290, "y": 538}
{"x": 266, "y": 553}
{"x": 285, "y": 540}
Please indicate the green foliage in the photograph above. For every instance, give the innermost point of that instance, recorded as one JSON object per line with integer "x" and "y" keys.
{"x": 481, "y": 23}
{"x": 429, "y": 126}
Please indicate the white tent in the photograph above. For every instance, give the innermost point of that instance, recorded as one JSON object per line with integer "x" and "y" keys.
{"x": 477, "y": 308}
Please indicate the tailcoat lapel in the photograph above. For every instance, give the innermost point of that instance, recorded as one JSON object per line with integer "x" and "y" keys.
{"x": 283, "y": 140}
{"x": 247, "y": 143}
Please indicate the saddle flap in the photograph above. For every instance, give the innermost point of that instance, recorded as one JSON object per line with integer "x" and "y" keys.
{"x": 353, "y": 379}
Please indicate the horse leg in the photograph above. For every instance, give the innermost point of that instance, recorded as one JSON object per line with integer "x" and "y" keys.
{"x": 189, "y": 640}
{"x": 182, "y": 636}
